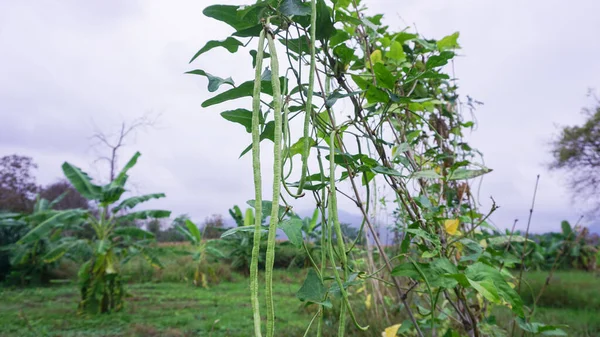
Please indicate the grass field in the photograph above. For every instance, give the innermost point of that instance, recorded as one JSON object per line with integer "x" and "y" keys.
{"x": 572, "y": 298}
{"x": 155, "y": 309}
{"x": 171, "y": 308}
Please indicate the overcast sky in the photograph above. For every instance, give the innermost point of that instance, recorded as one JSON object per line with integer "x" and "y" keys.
{"x": 68, "y": 67}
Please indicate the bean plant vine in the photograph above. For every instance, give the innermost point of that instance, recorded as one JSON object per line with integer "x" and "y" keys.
{"x": 371, "y": 105}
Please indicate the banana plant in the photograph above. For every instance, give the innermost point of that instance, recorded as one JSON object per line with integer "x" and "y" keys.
{"x": 200, "y": 249}
{"x": 115, "y": 239}
{"x": 238, "y": 241}
{"x": 27, "y": 260}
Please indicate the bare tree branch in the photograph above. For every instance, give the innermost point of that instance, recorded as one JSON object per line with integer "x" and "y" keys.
{"x": 114, "y": 142}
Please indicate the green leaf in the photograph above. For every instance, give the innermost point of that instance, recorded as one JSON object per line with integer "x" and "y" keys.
{"x": 186, "y": 233}
{"x": 242, "y": 229}
{"x": 324, "y": 23}
{"x": 130, "y": 203}
{"x": 111, "y": 194}
{"x": 215, "y": 252}
{"x": 58, "y": 251}
{"x": 480, "y": 272}
{"x": 487, "y": 289}
{"x": 253, "y": 31}
{"x": 267, "y": 205}
{"x": 386, "y": 170}
{"x": 298, "y": 147}
{"x": 294, "y": 7}
{"x": 396, "y": 52}
{"x": 312, "y": 289}
{"x": 49, "y": 224}
{"x": 153, "y": 260}
{"x": 384, "y": 76}
{"x": 193, "y": 230}
{"x": 540, "y": 328}
{"x": 12, "y": 219}
{"x": 146, "y": 214}
{"x": 134, "y": 232}
{"x": 502, "y": 240}
{"x": 439, "y": 60}
{"x": 243, "y": 90}
{"x": 122, "y": 177}
{"x": 230, "y": 43}
{"x": 334, "y": 96}
{"x": 240, "y": 116}
{"x": 41, "y": 205}
{"x": 344, "y": 53}
{"x": 19, "y": 255}
{"x": 229, "y": 14}
{"x": 293, "y": 230}
{"x": 82, "y": 182}
{"x": 427, "y": 174}
{"x": 298, "y": 46}
{"x": 426, "y": 44}
{"x": 435, "y": 272}
{"x": 474, "y": 248}
{"x": 267, "y": 133}
{"x": 58, "y": 199}
{"x": 402, "y": 37}
{"x": 253, "y": 54}
{"x": 406, "y": 270}
{"x": 376, "y": 95}
{"x": 567, "y": 231}
{"x": 214, "y": 82}
{"x": 448, "y": 42}
{"x": 339, "y": 37}
{"x": 248, "y": 217}
{"x": 463, "y": 174}
{"x": 361, "y": 82}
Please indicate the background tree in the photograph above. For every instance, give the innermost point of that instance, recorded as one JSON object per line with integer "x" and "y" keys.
{"x": 72, "y": 199}
{"x": 17, "y": 183}
{"x": 17, "y": 191}
{"x": 213, "y": 226}
{"x": 154, "y": 227}
{"x": 113, "y": 142}
{"x": 577, "y": 152}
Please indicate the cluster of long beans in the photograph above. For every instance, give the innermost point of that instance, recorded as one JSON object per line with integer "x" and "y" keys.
{"x": 280, "y": 127}
{"x": 330, "y": 251}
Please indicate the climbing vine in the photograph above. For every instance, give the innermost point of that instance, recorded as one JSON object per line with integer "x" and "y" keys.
{"x": 377, "y": 106}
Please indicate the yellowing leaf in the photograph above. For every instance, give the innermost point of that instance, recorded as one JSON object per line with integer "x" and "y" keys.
{"x": 483, "y": 243}
{"x": 368, "y": 302}
{"x": 459, "y": 247}
{"x": 451, "y": 226}
{"x": 391, "y": 331}
{"x": 376, "y": 57}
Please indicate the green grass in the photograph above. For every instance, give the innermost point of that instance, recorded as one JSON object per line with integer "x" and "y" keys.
{"x": 165, "y": 303}
{"x": 155, "y": 309}
{"x": 567, "y": 289}
{"x": 571, "y": 298}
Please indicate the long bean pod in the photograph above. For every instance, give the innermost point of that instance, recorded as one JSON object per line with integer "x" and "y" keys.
{"x": 274, "y": 220}
{"x": 309, "y": 96}
{"x": 257, "y": 185}
{"x": 334, "y": 224}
